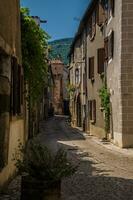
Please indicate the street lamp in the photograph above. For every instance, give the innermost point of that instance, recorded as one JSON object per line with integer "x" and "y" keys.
{"x": 38, "y": 21}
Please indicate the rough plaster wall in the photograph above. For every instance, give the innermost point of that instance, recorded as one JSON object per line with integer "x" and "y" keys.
{"x": 9, "y": 15}
{"x": 10, "y": 45}
{"x": 93, "y": 87}
{"x": 114, "y": 74}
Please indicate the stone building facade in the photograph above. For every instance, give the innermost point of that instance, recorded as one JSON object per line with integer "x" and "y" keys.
{"x": 65, "y": 91}
{"x": 60, "y": 75}
{"x": 57, "y": 71}
{"x": 102, "y": 55}
{"x": 11, "y": 88}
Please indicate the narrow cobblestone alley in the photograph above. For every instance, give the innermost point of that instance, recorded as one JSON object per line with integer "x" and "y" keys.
{"x": 103, "y": 173}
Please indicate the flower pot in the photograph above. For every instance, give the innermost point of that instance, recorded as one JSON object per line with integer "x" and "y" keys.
{"x": 35, "y": 189}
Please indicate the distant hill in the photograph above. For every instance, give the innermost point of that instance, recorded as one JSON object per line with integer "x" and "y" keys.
{"x": 60, "y": 49}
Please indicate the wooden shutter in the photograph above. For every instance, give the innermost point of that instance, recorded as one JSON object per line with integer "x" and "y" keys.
{"x": 19, "y": 90}
{"x": 91, "y": 68}
{"x": 94, "y": 110}
{"x": 112, "y": 4}
{"x": 14, "y": 86}
{"x": 101, "y": 59}
{"x": 106, "y": 48}
{"x": 111, "y": 45}
{"x": 84, "y": 83}
{"x": 90, "y": 109}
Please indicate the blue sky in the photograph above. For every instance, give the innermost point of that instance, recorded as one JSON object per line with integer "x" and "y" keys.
{"x": 59, "y": 14}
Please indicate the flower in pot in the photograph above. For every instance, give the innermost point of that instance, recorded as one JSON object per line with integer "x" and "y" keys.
{"x": 43, "y": 171}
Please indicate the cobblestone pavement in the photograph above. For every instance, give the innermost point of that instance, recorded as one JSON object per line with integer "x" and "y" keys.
{"x": 103, "y": 174}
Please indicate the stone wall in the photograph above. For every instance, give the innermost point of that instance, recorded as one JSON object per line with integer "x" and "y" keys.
{"x": 93, "y": 87}
{"x": 57, "y": 71}
{"x": 127, "y": 73}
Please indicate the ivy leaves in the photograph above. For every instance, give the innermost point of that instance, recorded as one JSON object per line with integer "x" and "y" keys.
{"x": 105, "y": 103}
{"x": 34, "y": 54}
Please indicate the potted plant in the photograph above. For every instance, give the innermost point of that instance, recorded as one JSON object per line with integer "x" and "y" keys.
{"x": 42, "y": 171}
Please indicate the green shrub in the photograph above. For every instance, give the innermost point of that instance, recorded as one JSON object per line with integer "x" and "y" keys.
{"x": 40, "y": 163}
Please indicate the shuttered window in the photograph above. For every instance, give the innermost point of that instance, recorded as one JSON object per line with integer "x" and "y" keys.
{"x": 113, "y": 6}
{"x": 92, "y": 111}
{"x": 91, "y": 68}
{"x": 84, "y": 84}
{"x": 106, "y": 48}
{"x": 16, "y": 88}
{"x": 100, "y": 59}
{"x": 110, "y": 45}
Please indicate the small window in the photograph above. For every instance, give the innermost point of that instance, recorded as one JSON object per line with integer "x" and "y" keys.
{"x": 91, "y": 68}
{"x": 106, "y": 48}
{"x": 84, "y": 84}
{"x": 100, "y": 59}
{"x": 16, "y": 88}
{"x": 77, "y": 76}
{"x": 92, "y": 26}
{"x": 110, "y": 45}
{"x": 92, "y": 111}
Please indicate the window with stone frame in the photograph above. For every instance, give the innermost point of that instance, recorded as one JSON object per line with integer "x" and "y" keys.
{"x": 92, "y": 26}
{"x": 84, "y": 84}
{"x": 110, "y": 45}
{"x": 106, "y": 48}
{"x": 16, "y": 88}
{"x": 77, "y": 76}
{"x": 100, "y": 60}
{"x": 91, "y": 68}
{"x": 108, "y": 6}
{"x": 92, "y": 111}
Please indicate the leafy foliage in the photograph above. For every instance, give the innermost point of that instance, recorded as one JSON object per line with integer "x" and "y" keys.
{"x": 34, "y": 54}
{"x": 105, "y": 103}
{"x": 40, "y": 163}
{"x": 60, "y": 49}
{"x": 71, "y": 89}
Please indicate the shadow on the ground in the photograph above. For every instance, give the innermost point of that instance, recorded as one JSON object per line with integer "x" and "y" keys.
{"x": 90, "y": 182}
{"x": 93, "y": 183}
{"x": 59, "y": 125}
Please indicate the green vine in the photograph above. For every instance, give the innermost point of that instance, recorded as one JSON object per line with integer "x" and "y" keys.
{"x": 71, "y": 89}
{"x": 34, "y": 55}
{"x": 105, "y": 103}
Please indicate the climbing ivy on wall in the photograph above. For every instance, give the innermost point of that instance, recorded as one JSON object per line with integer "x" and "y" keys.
{"x": 105, "y": 103}
{"x": 34, "y": 54}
